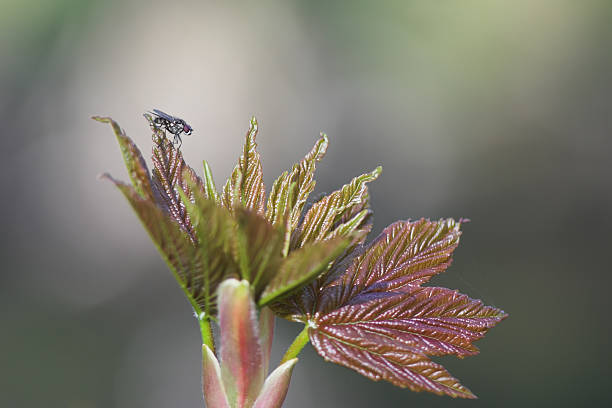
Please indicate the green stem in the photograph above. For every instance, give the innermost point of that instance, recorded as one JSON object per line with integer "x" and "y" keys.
{"x": 298, "y": 344}
{"x": 206, "y": 330}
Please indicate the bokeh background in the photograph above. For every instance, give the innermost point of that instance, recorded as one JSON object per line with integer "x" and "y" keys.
{"x": 493, "y": 110}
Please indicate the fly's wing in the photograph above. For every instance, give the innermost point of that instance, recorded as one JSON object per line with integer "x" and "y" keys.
{"x": 163, "y": 115}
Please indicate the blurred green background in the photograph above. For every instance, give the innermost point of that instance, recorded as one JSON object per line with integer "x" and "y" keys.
{"x": 493, "y": 110}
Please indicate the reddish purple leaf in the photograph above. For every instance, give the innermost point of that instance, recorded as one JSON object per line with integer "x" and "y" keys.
{"x": 169, "y": 174}
{"x": 389, "y": 337}
{"x": 367, "y": 311}
{"x": 370, "y": 313}
{"x": 433, "y": 321}
{"x": 381, "y": 359}
{"x": 405, "y": 254}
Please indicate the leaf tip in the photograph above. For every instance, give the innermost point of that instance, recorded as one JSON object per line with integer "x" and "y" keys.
{"x": 102, "y": 119}
{"x": 321, "y": 147}
{"x": 107, "y": 177}
{"x": 467, "y": 394}
{"x": 501, "y": 315}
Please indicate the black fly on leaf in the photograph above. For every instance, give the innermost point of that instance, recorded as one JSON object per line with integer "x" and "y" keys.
{"x": 172, "y": 124}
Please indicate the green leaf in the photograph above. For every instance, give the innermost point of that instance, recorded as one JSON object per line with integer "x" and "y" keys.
{"x": 242, "y": 367}
{"x": 214, "y": 230}
{"x": 258, "y": 247}
{"x": 209, "y": 184}
{"x": 302, "y": 174}
{"x": 354, "y": 223}
{"x": 302, "y": 266}
{"x": 324, "y": 215}
{"x": 164, "y": 214}
{"x": 174, "y": 245}
{"x": 134, "y": 162}
{"x": 276, "y": 386}
{"x": 278, "y": 201}
{"x": 212, "y": 383}
{"x": 245, "y": 186}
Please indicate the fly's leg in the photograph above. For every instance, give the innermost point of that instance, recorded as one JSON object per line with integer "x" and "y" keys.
{"x": 177, "y": 140}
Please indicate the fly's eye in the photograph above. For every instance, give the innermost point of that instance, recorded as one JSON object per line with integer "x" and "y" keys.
{"x": 187, "y": 129}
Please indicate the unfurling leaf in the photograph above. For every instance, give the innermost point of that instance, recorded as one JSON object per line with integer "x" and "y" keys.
{"x": 330, "y": 212}
{"x": 198, "y": 263}
{"x": 214, "y": 230}
{"x": 134, "y": 162}
{"x": 168, "y": 178}
{"x": 302, "y": 266}
{"x": 174, "y": 245}
{"x": 302, "y": 175}
{"x": 258, "y": 246}
{"x": 362, "y": 305}
{"x": 242, "y": 366}
{"x": 245, "y": 186}
{"x": 279, "y": 204}
{"x": 209, "y": 184}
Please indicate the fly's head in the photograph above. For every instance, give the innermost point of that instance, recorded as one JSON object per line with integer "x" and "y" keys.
{"x": 184, "y": 126}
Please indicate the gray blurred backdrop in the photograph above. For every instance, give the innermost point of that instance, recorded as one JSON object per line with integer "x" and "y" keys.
{"x": 495, "y": 110}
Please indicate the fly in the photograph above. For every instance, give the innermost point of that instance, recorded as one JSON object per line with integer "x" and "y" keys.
{"x": 174, "y": 125}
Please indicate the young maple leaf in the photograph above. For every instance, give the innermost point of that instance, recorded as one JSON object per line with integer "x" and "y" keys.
{"x": 206, "y": 238}
{"x": 363, "y": 306}
{"x": 157, "y": 200}
{"x": 376, "y": 319}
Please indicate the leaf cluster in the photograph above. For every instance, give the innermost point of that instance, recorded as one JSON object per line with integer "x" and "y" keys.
{"x": 364, "y": 305}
